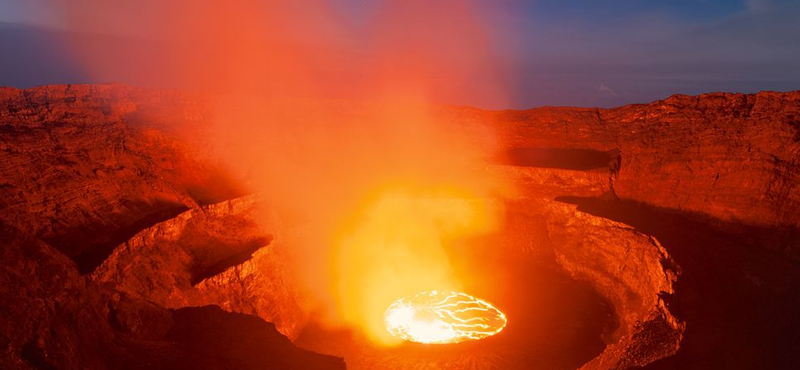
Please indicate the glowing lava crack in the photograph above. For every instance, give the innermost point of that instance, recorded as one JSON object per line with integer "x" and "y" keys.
{"x": 438, "y": 317}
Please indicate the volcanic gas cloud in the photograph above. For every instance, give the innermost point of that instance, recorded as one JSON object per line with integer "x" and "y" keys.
{"x": 378, "y": 191}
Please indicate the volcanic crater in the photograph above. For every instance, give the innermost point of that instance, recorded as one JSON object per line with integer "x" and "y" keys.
{"x": 659, "y": 235}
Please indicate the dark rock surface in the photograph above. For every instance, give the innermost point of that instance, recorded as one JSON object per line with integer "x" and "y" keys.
{"x": 55, "y": 319}
{"x": 214, "y": 339}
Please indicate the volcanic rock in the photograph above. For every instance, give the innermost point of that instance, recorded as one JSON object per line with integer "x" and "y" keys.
{"x": 89, "y": 167}
{"x": 217, "y": 254}
{"x": 680, "y": 213}
{"x": 84, "y": 167}
{"x": 55, "y": 319}
{"x": 633, "y": 271}
{"x": 733, "y": 158}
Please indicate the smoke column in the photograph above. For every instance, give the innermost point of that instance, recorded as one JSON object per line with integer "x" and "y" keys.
{"x": 333, "y": 122}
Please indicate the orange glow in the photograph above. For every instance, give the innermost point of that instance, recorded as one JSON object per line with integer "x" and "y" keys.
{"x": 396, "y": 247}
{"x": 369, "y": 192}
{"x": 437, "y": 317}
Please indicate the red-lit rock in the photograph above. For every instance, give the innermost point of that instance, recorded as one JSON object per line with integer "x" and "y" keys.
{"x": 104, "y": 176}
{"x": 218, "y": 254}
{"x": 52, "y": 318}
{"x": 86, "y": 167}
{"x": 732, "y": 157}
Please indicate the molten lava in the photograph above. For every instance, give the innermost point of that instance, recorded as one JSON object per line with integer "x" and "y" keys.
{"x": 438, "y": 317}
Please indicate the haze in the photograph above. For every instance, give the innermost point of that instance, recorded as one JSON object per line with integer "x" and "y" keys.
{"x": 532, "y": 53}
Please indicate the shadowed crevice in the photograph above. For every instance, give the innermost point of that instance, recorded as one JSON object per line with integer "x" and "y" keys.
{"x": 97, "y": 242}
{"x": 210, "y": 338}
{"x": 561, "y": 158}
{"x": 733, "y": 293}
{"x": 35, "y": 356}
{"x": 238, "y": 258}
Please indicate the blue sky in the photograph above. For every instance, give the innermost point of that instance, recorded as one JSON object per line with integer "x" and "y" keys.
{"x": 576, "y": 52}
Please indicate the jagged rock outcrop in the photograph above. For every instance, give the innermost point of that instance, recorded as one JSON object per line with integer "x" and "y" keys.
{"x": 630, "y": 269}
{"x": 222, "y": 254}
{"x": 53, "y": 318}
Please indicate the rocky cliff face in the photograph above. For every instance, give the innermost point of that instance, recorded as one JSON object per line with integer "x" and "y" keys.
{"x": 55, "y": 319}
{"x": 86, "y": 167}
{"x": 81, "y": 168}
{"x": 699, "y": 175}
{"x": 679, "y": 213}
{"x": 218, "y": 254}
{"x": 728, "y": 157}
